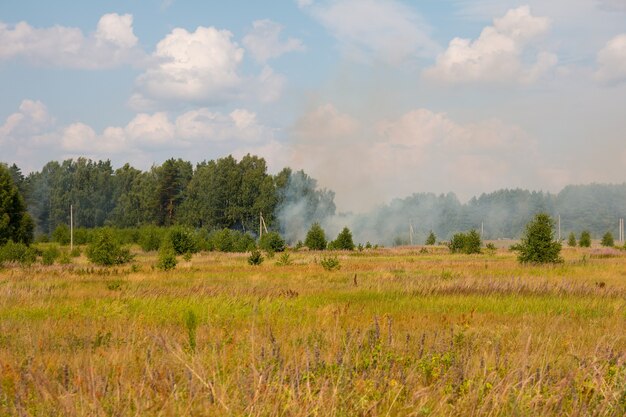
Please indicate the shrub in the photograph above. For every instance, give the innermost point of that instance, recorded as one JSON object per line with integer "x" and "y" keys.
{"x": 315, "y": 238}
{"x": 183, "y": 240}
{"x": 50, "y": 254}
{"x": 538, "y": 245}
{"x": 343, "y": 241}
{"x": 105, "y": 250}
{"x": 272, "y": 242}
{"x": 585, "y": 239}
{"x": 17, "y": 252}
{"x": 330, "y": 263}
{"x": 607, "y": 239}
{"x": 255, "y": 257}
{"x": 65, "y": 258}
{"x": 457, "y": 243}
{"x": 150, "y": 238}
{"x": 167, "y": 256}
{"x": 571, "y": 240}
{"x": 61, "y": 234}
{"x": 467, "y": 243}
{"x": 284, "y": 260}
{"x": 75, "y": 253}
{"x": 227, "y": 240}
{"x": 431, "y": 239}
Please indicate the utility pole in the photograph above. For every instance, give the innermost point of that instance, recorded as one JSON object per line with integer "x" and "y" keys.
{"x": 262, "y": 225}
{"x": 559, "y": 227}
{"x": 482, "y": 230}
{"x": 411, "y": 231}
{"x": 71, "y": 227}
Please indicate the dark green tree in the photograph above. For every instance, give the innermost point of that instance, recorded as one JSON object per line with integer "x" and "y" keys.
{"x": 538, "y": 245}
{"x": 607, "y": 240}
{"x": 585, "y": 239}
{"x": 571, "y": 240}
{"x": 467, "y": 243}
{"x": 172, "y": 179}
{"x": 343, "y": 241}
{"x": 15, "y": 223}
{"x": 431, "y": 239}
{"x": 315, "y": 238}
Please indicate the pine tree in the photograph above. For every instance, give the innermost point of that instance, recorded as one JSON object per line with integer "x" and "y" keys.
{"x": 607, "y": 240}
{"x": 585, "y": 239}
{"x": 315, "y": 238}
{"x": 571, "y": 240}
{"x": 432, "y": 239}
{"x": 538, "y": 245}
{"x": 344, "y": 240}
{"x": 15, "y": 223}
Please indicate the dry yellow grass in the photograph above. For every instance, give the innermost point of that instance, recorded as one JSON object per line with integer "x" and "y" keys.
{"x": 419, "y": 334}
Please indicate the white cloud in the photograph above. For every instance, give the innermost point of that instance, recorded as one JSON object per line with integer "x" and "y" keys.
{"x": 612, "y": 61}
{"x": 497, "y": 54}
{"x": 387, "y": 30}
{"x": 111, "y": 45}
{"x": 31, "y": 137}
{"x": 194, "y": 66}
{"x": 117, "y": 30}
{"x": 201, "y": 67}
{"x": 264, "y": 42}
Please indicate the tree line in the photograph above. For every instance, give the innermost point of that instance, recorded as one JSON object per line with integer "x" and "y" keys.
{"x": 595, "y": 208}
{"x": 227, "y": 193}
{"x": 214, "y": 195}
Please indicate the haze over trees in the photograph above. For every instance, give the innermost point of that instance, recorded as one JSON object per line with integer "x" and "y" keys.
{"x": 227, "y": 193}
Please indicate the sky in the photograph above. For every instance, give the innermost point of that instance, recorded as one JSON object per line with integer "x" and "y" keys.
{"x": 376, "y": 99}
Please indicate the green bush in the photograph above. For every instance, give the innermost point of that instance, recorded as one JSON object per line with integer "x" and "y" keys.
{"x": 585, "y": 239}
{"x": 61, "y": 234}
{"x": 17, "y": 252}
{"x": 284, "y": 260}
{"x": 571, "y": 240}
{"x": 183, "y": 240}
{"x": 607, "y": 240}
{"x": 150, "y": 238}
{"x": 50, "y": 254}
{"x": 105, "y": 250}
{"x": 315, "y": 238}
{"x": 227, "y": 240}
{"x": 65, "y": 258}
{"x": 330, "y": 263}
{"x": 272, "y": 242}
{"x": 343, "y": 241}
{"x": 538, "y": 245}
{"x": 467, "y": 243}
{"x": 167, "y": 256}
{"x": 255, "y": 257}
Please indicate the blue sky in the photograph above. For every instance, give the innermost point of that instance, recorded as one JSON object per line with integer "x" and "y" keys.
{"x": 376, "y": 99}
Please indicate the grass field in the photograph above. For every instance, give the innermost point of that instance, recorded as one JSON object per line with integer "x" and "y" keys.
{"x": 394, "y": 332}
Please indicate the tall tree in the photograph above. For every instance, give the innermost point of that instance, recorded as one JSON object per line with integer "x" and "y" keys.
{"x": 172, "y": 179}
{"x": 15, "y": 223}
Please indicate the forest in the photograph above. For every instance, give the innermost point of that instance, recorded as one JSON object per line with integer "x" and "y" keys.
{"x": 230, "y": 194}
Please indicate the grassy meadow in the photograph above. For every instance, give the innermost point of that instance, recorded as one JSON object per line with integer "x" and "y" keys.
{"x": 393, "y": 332}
